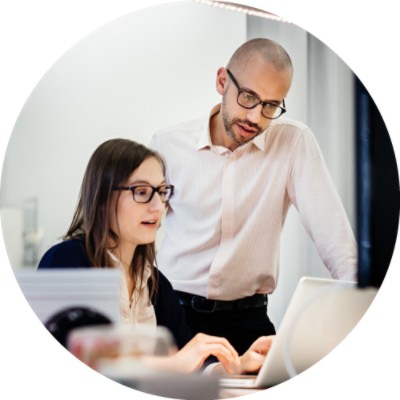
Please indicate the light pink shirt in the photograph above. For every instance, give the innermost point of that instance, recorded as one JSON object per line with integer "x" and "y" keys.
{"x": 225, "y": 219}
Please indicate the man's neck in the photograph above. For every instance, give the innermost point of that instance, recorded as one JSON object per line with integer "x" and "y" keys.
{"x": 218, "y": 134}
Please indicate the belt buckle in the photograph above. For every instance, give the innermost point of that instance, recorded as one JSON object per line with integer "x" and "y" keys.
{"x": 197, "y": 301}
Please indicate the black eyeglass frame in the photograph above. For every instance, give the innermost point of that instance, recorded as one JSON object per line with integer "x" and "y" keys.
{"x": 154, "y": 190}
{"x": 263, "y": 103}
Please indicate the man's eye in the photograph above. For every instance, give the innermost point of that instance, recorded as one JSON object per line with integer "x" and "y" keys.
{"x": 248, "y": 97}
{"x": 270, "y": 106}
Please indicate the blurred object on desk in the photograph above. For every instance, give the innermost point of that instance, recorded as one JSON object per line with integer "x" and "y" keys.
{"x": 136, "y": 375}
{"x": 99, "y": 346}
{"x": 119, "y": 352}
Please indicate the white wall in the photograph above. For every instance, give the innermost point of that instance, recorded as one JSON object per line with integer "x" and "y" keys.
{"x": 151, "y": 69}
{"x": 147, "y": 70}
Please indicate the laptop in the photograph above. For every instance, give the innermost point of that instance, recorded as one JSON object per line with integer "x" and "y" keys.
{"x": 320, "y": 314}
{"x": 50, "y": 291}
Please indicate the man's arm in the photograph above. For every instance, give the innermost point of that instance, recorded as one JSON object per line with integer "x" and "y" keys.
{"x": 313, "y": 193}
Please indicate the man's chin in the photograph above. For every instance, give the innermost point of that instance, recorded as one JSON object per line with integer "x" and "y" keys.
{"x": 245, "y": 139}
{"x": 239, "y": 139}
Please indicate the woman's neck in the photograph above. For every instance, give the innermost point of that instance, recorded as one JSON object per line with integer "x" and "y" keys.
{"x": 124, "y": 252}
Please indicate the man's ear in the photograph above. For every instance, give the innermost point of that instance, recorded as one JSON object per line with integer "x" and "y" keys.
{"x": 221, "y": 80}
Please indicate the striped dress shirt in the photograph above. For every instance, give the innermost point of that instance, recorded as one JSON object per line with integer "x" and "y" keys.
{"x": 224, "y": 222}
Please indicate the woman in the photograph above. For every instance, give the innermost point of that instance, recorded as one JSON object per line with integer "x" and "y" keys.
{"x": 122, "y": 200}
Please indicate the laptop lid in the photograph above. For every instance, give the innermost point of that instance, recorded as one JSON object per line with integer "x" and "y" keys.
{"x": 320, "y": 314}
{"x": 50, "y": 291}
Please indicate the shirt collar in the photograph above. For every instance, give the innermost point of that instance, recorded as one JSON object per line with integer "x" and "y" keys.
{"x": 118, "y": 264}
{"x": 259, "y": 141}
{"x": 205, "y": 134}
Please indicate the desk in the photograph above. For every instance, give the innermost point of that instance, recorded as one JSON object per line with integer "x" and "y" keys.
{"x": 184, "y": 386}
{"x": 226, "y": 393}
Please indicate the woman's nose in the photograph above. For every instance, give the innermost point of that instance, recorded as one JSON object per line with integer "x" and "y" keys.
{"x": 156, "y": 204}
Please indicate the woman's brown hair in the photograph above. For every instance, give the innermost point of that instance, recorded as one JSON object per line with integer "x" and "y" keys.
{"x": 110, "y": 165}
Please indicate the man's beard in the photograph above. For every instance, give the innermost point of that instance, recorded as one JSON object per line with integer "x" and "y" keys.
{"x": 229, "y": 123}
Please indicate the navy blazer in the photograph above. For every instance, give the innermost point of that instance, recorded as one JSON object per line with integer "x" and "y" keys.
{"x": 169, "y": 312}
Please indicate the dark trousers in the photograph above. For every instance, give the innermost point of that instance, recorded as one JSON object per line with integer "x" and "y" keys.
{"x": 240, "y": 327}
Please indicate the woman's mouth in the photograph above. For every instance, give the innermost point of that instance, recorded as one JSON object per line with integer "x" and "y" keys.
{"x": 153, "y": 223}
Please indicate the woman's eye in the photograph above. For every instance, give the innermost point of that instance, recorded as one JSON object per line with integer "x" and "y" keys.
{"x": 141, "y": 191}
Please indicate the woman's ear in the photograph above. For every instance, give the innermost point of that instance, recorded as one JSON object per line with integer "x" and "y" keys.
{"x": 221, "y": 80}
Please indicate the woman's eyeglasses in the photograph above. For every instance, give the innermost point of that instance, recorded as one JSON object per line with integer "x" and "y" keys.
{"x": 144, "y": 193}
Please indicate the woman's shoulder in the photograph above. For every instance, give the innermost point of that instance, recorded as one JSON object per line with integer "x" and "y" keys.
{"x": 162, "y": 285}
{"x": 67, "y": 246}
{"x": 70, "y": 253}
{"x": 169, "y": 312}
{"x": 163, "y": 281}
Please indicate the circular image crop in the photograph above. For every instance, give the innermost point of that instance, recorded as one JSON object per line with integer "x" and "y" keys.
{"x": 232, "y": 151}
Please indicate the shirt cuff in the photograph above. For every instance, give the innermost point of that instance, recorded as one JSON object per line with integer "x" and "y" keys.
{"x": 208, "y": 370}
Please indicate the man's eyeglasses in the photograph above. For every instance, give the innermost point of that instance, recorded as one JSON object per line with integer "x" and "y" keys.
{"x": 250, "y": 100}
{"x": 144, "y": 193}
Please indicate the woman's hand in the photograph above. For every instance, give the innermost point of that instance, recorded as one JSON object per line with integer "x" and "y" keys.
{"x": 192, "y": 356}
{"x": 252, "y": 360}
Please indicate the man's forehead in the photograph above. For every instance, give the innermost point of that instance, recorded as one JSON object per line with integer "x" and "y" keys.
{"x": 264, "y": 78}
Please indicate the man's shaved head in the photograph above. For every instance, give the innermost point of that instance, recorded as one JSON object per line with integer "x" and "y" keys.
{"x": 268, "y": 50}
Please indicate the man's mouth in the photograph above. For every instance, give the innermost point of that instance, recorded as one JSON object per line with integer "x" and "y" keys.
{"x": 246, "y": 130}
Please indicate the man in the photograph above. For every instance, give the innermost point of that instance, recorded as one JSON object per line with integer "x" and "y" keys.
{"x": 235, "y": 174}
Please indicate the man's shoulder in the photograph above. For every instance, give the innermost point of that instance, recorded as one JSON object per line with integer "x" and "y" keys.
{"x": 289, "y": 124}
{"x": 287, "y": 131}
{"x": 186, "y": 128}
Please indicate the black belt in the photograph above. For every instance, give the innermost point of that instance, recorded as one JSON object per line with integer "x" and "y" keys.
{"x": 201, "y": 304}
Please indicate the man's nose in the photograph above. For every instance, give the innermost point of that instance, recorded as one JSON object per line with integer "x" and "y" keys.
{"x": 254, "y": 114}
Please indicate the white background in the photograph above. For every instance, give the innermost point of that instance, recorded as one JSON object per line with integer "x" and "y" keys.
{"x": 141, "y": 73}
{"x": 35, "y": 34}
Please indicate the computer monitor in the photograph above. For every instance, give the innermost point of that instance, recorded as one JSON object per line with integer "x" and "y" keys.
{"x": 51, "y": 291}
{"x": 377, "y": 191}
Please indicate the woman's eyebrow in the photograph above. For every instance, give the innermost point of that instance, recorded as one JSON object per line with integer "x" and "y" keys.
{"x": 144, "y": 182}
